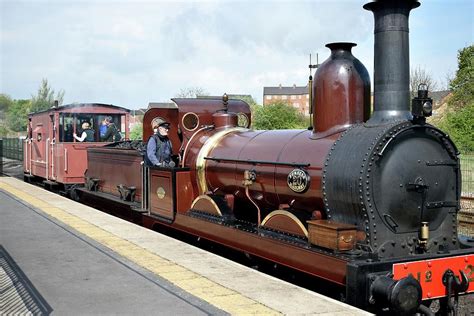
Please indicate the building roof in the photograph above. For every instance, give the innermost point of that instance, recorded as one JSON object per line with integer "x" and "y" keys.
{"x": 285, "y": 90}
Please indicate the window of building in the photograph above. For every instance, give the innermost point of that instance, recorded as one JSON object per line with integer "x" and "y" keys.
{"x": 268, "y": 97}
{"x": 296, "y": 105}
{"x": 299, "y": 97}
{"x": 293, "y": 97}
{"x": 284, "y": 97}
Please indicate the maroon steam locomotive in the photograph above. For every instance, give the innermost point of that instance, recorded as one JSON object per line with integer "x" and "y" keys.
{"x": 367, "y": 202}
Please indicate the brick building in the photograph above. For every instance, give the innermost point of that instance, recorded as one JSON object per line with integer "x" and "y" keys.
{"x": 298, "y": 97}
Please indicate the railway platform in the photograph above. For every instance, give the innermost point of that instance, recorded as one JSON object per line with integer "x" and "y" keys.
{"x": 58, "y": 256}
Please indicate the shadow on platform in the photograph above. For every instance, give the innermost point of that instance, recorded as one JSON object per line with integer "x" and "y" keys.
{"x": 18, "y": 295}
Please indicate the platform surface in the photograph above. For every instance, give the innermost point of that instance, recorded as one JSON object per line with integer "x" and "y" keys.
{"x": 61, "y": 257}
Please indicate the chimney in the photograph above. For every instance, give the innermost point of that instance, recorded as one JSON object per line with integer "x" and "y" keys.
{"x": 391, "y": 60}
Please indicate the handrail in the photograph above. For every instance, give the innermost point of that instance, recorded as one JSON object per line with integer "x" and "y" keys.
{"x": 31, "y": 156}
{"x": 259, "y": 162}
{"x": 65, "y": 159}
{"x": 52, "y": 159}
{"x": 25, "y": 155}
{"x": 47, "y": 158}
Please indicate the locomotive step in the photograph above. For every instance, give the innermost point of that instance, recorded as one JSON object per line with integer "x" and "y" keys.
{"x": 133, "y": 205}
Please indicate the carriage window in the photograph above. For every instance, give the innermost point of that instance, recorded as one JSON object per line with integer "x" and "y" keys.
{"x": 66, "y": 127}
{"x": 70, "y": 123}
{"x": 118, "y": 122}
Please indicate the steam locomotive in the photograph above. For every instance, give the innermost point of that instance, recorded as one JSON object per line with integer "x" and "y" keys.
{"x": 366, "y": 202}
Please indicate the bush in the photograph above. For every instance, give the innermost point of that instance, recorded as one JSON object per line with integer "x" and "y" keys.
{"x": 278, "y": 115}
{"x": 136, "y": 133}
{"x": 459, "y": 125}
{"x": 463, "y": 83}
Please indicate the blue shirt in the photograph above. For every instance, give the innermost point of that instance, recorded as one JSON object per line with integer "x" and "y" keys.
{"x": 102, "y": 130}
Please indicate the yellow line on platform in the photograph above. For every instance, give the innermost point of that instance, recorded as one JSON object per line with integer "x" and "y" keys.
{"x": 215, "y": 294}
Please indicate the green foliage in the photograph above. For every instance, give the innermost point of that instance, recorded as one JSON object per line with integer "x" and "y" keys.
{"x": 136, "y": 133}
{"x": 459, "y": 125}
{"x": 459, "y": 119}
{"x": 17, "y": 115}
{"x": 3, "y": 130}
{"x": 5, "y": 102}
{"x": 278, "y": 115}
{"x": 463, "y": 83}
{"x": 45, "y": 97}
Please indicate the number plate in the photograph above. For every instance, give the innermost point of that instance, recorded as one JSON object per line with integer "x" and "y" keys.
{"x": 430, "y": 273}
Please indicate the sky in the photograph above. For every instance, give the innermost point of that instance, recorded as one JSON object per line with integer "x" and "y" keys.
{"x": 130, "y": 53}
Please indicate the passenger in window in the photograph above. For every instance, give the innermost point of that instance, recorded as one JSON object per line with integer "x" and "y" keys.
{"x": 103, "y": 128}
{"x": 87, "y": 133}
{"x": 68, "y": 133}
{"x": 112, "y": 134}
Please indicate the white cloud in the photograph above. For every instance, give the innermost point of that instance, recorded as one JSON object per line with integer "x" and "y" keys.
{"x": 130, "y": 53}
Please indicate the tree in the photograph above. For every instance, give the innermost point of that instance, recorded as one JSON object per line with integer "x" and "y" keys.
{"x": 3, "y": 130}
{"x": 192, "y": 92}
{"x": 463, "y": 83}
{"x": 45, "y": 97}
{"x": 278, "y": 115}
{"x": 17, "y": 115}
{"x": 136, "y": 133}
{"x": 5, "y": 102}
{"x": 419, "y": 76}
{"x": 459, "y": 125}
{"x": 459, "y": 119}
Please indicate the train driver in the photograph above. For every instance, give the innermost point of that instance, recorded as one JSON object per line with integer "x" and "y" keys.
{"x": 159, "y": 150}
{"x": 87, "y": 133}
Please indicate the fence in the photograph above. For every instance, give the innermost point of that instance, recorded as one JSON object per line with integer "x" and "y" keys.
{"x": 467, "y": 170}
{"x": 466, "y": 215}
{"x": 12, "y": 148}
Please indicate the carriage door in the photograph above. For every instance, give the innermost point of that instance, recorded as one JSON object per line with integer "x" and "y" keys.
{"x": 161, "y": 194}
{"x": 38, "y": 152}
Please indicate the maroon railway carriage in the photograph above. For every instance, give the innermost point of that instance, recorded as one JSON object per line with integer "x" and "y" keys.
{"x": 367, "y": 203}
{"x": 52, "y": 154}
